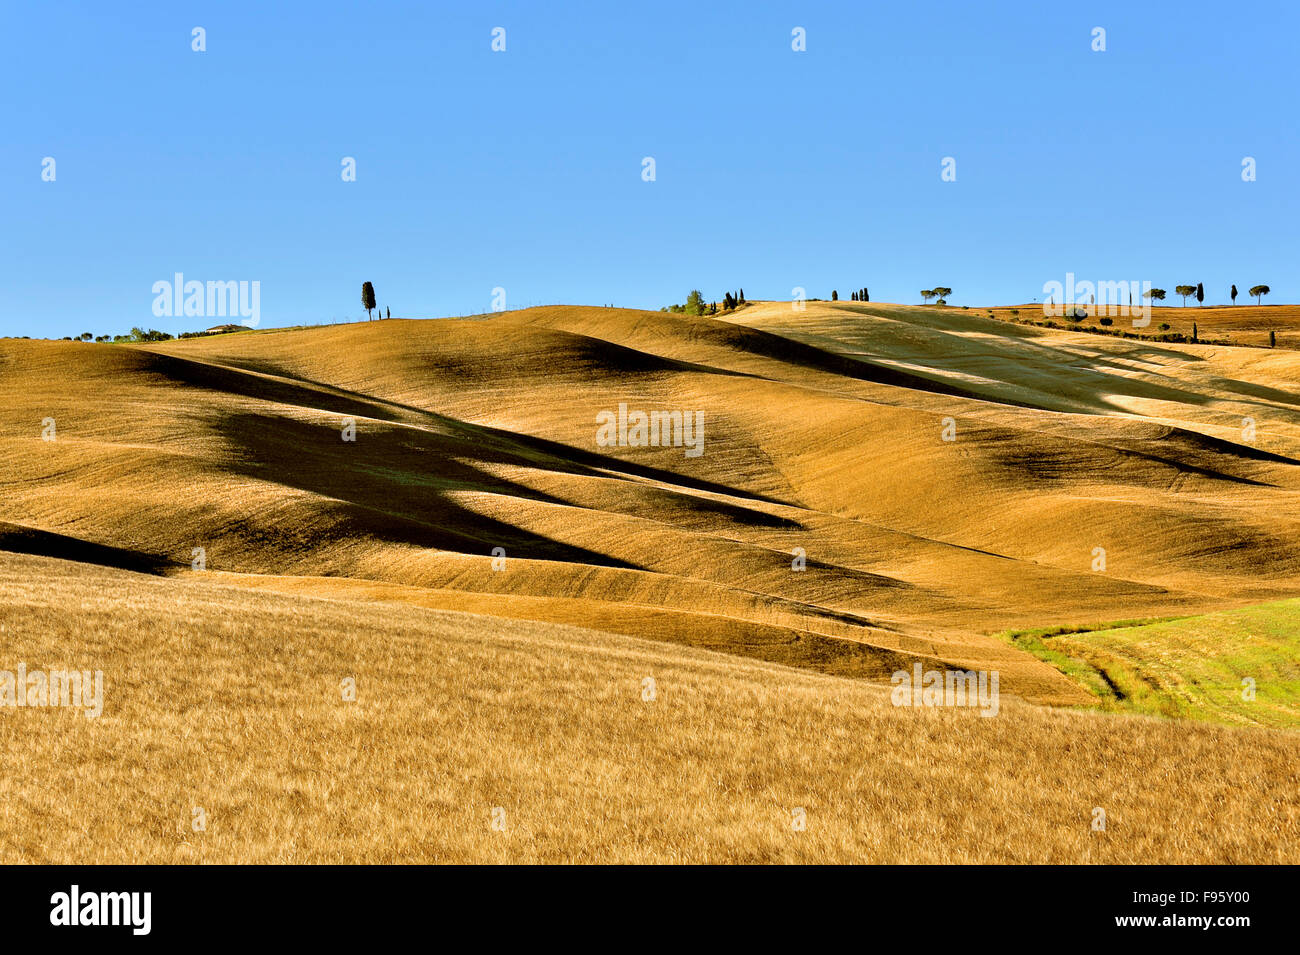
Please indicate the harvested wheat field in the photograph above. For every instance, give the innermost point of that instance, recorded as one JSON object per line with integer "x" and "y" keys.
{"x": 1243, "y": 325}
{"x": 226, "y": 701}
{"x": 233, "y": 527}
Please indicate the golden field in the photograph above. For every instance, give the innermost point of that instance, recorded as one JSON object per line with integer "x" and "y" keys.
{"x": 1245, "y": 325}
{"x": 228, "y": 701}
{"x": 520, "y": 686}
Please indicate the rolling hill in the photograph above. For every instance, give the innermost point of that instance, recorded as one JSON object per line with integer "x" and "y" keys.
{"x": 477, "y": 739}
{"x": 408, "y": 493}
{"x": 824, "y": 430}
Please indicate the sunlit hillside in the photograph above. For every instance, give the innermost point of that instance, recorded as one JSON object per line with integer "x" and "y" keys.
{"x": 225, "y": 737}
{"x": 229, "y": 527}
{"x": 1083, "y": 480}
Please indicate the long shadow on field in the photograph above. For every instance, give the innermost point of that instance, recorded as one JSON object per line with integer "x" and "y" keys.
{"x": 224, "y": 379}
{"x": 1036, "y": 363}
{"x": 1262, "y": 392}
{"x": 391, "y": 484}
{"x": 801, "y": 354}
{"x": 29, "y": 540}
{"x": 1123, "y": 460}
{"x": 492, "y": 445}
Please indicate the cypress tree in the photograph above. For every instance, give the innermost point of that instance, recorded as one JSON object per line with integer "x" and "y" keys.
{"x": 367, "y": 297}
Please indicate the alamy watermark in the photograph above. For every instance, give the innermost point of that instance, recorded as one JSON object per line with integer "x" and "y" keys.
{"x": 1111, "y": 299}
{"x": 130, "y": 909}
{"x": 36, "y": 688}
{"x": 924, "y": 687}
{"x": 655, "y": 429}
{"x": 195, "y": 299}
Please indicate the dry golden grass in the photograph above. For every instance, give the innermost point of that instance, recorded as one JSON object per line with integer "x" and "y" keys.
{"x": 823, "y": 432}
{"x": 221, "y": 698}
{"x": 1238, "y": 324}
{"x": 826, "y": 436}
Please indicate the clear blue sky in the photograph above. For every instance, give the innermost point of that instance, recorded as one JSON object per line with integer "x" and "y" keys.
{"x": 522, "y": 169}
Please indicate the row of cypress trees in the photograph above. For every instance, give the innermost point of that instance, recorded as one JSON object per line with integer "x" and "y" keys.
{"x": 861, "y": 295}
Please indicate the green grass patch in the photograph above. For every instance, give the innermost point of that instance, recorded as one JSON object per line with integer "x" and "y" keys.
{"x": 1202, "y": 667}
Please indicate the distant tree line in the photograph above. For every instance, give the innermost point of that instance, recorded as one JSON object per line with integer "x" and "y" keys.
{"x": 1197, "y": 291}
{"x": 146, "y": 335}
{"x": 696, "y": 305}
{"x": 1076, "y": 314}
{"x": 135, "y": 335}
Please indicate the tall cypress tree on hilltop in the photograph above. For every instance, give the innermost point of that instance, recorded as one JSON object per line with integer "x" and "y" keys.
{"x": 367, "y": 297}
